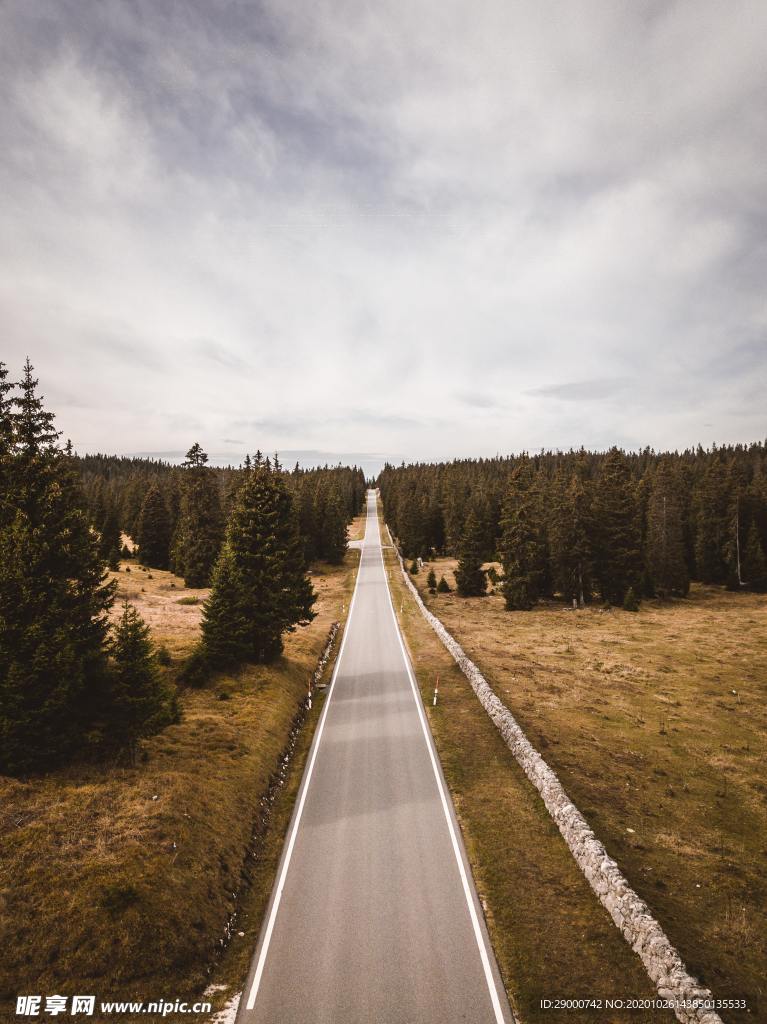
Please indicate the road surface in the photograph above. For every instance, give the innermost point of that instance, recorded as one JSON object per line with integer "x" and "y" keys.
{"x": 374, "y": 918}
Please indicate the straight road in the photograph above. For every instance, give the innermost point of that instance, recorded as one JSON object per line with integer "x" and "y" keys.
{"x": 374, "y": 918}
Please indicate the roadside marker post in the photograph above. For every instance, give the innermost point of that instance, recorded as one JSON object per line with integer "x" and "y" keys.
{"x": 436, "y": 692}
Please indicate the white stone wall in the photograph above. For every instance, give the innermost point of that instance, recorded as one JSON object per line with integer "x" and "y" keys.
{"x": 630, "y": 914}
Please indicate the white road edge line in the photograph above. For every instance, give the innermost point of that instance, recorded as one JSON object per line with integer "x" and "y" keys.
{"x": 451, "y": 827}
{"x": 307, "y": 778}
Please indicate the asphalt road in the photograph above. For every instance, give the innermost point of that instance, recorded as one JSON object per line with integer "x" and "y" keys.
{"x": 374, "y": 916}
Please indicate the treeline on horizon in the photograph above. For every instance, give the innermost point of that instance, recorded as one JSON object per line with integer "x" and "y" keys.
{"x": 583, "y": 525}
{"x": 73, "y": 683}
{"x": 161, "y": 506}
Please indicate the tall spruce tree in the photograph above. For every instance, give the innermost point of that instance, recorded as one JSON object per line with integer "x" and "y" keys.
{"x": 571, "y": 553}
{"x": 334, "y": 529}
{"x": 616, "y": 529}
{"x": 260, "y": 587}
{"x": 53, "y": 599}
{"x": 470, "y": 577}
{"x": 710, "y": 524}
{"x": 665, "y": 553}
{"x": 110, "y": 535}
{"x": 139, "y": 701}
{"x": 520, "y": 548}
{"x": 200, "y": 529}
{"x": 154, "y": 530}
{"x": 6, "y": 443}
{"x": 754, "y": 561}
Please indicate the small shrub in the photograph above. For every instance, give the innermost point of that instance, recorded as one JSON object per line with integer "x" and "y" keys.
{"x": 443, "y": 587}
{"x": 189, "y": 599}
{"x": 163, "y": 656}
{"x": 431, "y": 582}
{"x": 127, "y": 568}
{"x": 631, "y": 601}
{"x": 196, "y": 671}
{"x": 414, "y": 567}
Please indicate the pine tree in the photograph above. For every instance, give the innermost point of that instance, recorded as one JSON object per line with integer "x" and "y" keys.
{"x": 199, "y": 532}
{"x": 260, "y": 588}
{"x": 110, "y": 536}
{"x": 6, "y": 444}
{"x": 754, "y": 561}
{"x": 618, "y": 557}
{"x": 139, "y": 702}
{"x": 431, "y": 582}
{"x": 665, "y": 555}
{"x": 470, "y": 576}
{"x": 443, "y": 587}
{"x": 710, "y": 525}
{"x": 571, "y": 555}
{"x": 53, "y": 599}
{"x": 520, "y": 547}
{"x": 334, "y": 530}
{"x": 154, "y": 530}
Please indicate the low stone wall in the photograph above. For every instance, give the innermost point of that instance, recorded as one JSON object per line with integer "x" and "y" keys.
{"x": 630, "y": 914}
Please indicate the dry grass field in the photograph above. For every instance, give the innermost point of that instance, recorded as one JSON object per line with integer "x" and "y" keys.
{"x": 656, "y": 722}
{"x": 118, "y": 880}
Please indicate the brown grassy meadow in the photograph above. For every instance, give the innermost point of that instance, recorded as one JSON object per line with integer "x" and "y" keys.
{"x": 657, "y": 725}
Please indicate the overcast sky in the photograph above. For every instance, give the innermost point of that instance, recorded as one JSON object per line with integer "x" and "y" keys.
{"x": 405, "y": 227}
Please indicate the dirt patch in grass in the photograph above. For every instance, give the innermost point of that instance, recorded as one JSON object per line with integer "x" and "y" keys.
{"x": 172, "y": 610}
{"x": 656, "y": 723}
{"x": 120, "y": 881}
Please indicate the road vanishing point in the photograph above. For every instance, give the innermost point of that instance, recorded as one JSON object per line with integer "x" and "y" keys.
{"x": 374, "y": 918}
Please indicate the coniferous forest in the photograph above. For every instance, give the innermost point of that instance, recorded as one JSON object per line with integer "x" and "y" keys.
{"x": 614, "y": 526}
{"x": 71, "y": 683}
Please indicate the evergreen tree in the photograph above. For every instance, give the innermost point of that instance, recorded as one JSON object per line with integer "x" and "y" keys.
{"x": 520, "y": 548}
{"x": 154, "y": 530}
{"x": 334, "y": 530}
{"x": 6, "y": 444}
{"x": 431, "y": 582}
{"x": 754, "y": 561}
{"x": 443, "y": 587}
{"x": 665, "y": 554}
{"x": 470, "y": 576}
{"x": 260, "y": 588}
{"x": 571, "y": 555}
{"x": 710, "y": 528}
{"x": 199, "y": 532}
{"x": 410, "y": 527}
{"x": 618, "y": 561}
{"x": 110, "y": 536}
{"x": 139, "y": 702}
{"x": 53, "y": 600}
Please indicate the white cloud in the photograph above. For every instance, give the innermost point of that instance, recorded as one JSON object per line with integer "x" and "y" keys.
{"x": 404, "y": 226}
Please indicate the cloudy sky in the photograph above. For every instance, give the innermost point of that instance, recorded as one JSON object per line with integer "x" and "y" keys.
{"x": 416, "y": 227}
